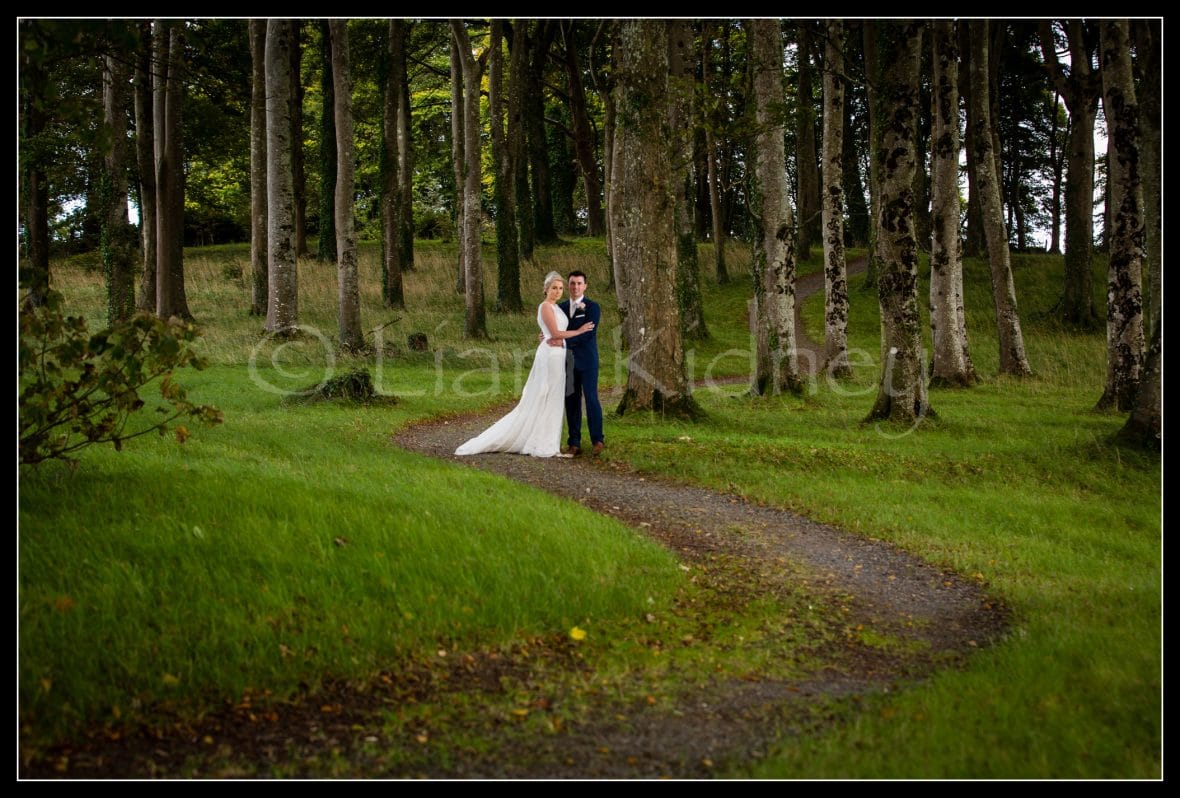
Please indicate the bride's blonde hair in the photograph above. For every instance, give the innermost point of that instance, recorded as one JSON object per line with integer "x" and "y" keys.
{"x": 549, "y": 278}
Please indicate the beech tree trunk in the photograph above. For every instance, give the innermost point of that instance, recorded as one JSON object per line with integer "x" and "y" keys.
{"x": 773, "y": 262}
{"x": 712, "y": 122}
{"x": 1124, "y": 310}
{"x": 399, "y": 34}
{"x": 476, "y": 324}
{"x": 326, "y": 246}
{"x": 1144, "y": 428}
{"x": 118, "y": 236}
{"x": 351, "y": 337}
{"x": 392, "y": 250}
{"x": 681, "y": 85}
{"x": 258, "y": 215}
{"x": 298, "y": 176}
{"x": 517, "y": 138}
{"x": 534, "y": 118}
{"x": 805, "y": 153}
{"x": 872, "y": 67}
{"x": 169, "y": 97}
{"x": 1012, "y": 357}
{"x": 835, "y": 358}
{"x": 948, "y": 323}
{"x": 282, "y": 308}
{"x": 34, "y": 183}
{"x": 1058, "y": 177}
{"x": 643, "y": 209}
{"x": 507, "y": 245}
{"x": 1149, "y": 92}
{"x": 457, "y": 160}
{"x": 583, "y": 136}
{"x": 145, "y": 157}
{"x": 973, "y": 244}
{"x": 901, "y": 393}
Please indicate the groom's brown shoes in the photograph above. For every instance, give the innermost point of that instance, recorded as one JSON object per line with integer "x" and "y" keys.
{"x": 598, "y": 447}
{"x": 573, "y": 451}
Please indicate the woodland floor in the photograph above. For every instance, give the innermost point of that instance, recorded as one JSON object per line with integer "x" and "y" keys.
{"x": 740, "y": 550}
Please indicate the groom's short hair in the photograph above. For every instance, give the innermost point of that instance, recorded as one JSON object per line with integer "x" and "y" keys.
{"x": 576, "y": 273}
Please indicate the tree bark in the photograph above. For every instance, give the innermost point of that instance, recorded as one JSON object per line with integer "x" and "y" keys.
{"x": 517, "y": 139}
{"x": 773, "y": 262}
{"x": 835, "y": 359}
{"x": 1012, "y": 357}
{"x": 399, "y": 35}
{"x": 1080, "y": 92}
{"x": 146, "y": 162}
{"x": 534, "y": 118}
{"x": 805, "y": 153}
{"x": 34, "y": 119}
{"x": 583, "y": 135}
{"x": 169, "y": 98}
{"x": 643, "y": 209}
{"x": 392, "y": 293}
{"x": 299, "y": 178}
{"x": 712, "y": 123}
{"x": 507, "y": 244}
{"x": 901, "y": 393}
{"x": 118, "y": 236}
{"x": 1124, "y": 312}
{"x": 681, "y": 83}
{"x": 1144, "y": 429}
{"x": 282, "y": 310}
{"x": 476, "y": 324}
{"x": 1058, "y": 176}
{"x": 326, "y": 246}
{"x": 1149, "y": 92}
{"x": 948, "y": 323}
{"x": 351, "y": 337}
{"x": 973, "y": 244}
{"x": 872, "y": 67}
{"x": 854, "y": 195}
{"x": 258, "y": 215}
{"x": 457, "y": 160}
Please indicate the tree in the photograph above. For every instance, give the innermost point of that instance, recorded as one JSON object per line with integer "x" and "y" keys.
{"x": 1144, "y": 428}
{"x": 1148, "y": 90}
{"x": 835, "y": 358}
{"x": 1080, "y": 89}
{"x": 583, "y": 136}
{"x": 872, "y": 68}
{"x": 681, "y": 84}
{"x": 642, "y": 215}
{"x": 517, "y": 139}
{"x": 507, "y": 243}
{"x": 326, "y": 247}
{"x": 351, "y": 337}
{"x": 711, "y": 123}
{"x": 948, "y": 323}
{"x": 399, "y": 32}
{"x": 258, "y": 214}
{"x": 808, "y": 173}
{"x": 169, "y": 147}
{"x": 1011, "y": 339}
{"x": 534, "y": 120}
{"x": 458, "y": 159}
{"x": 392, "y": 248}
{"x": 298, "y": 173}
{"x": 472, "y": 71}
{"x": 1124, "y": 314}
{"x": 145, "y": 159}
{"x": 118, "y": 236}
{"x": 282, "y": 310}
{"x": 773, "y": 262}
{"x": 901, "y": 392}
{"x": 34, "y": 100}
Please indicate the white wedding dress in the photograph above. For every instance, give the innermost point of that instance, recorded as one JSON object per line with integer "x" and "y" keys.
{"x": 534, "y": 425}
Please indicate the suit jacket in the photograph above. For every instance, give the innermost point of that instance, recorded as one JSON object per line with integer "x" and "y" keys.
{"x": 584, "y": 347}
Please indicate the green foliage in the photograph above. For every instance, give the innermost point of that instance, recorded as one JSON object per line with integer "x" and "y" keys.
{"x": 79, "y": 388}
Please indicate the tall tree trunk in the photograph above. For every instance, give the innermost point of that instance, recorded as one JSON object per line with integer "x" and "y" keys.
{"x": 835, "y": 359}
{"x": 476, "y": 324}
{"x": 681, "y": 83}
{"x": 457, "y": 160}
{"x": 901, "y": 393}
{"x": 805, "y": 153}
{"x": 258, "y": 215}
{"x": 399, "y": 35}
{"x": 583, "y": 135}
{"x": 1149, "y": 92}
{"x": 392, "y": 293}
{"x": 326, "y": 246}
{"x": 517, "y": 137}
{"x": 146, "y": 161}
{"x": 1058, "y": 175}
{"x": 872, "y": 67}
{"x": 34, "y": 119}
{"x": 1124, "y": 311}
{"x": 1080, "y": 92}
{"x": 712, "y": 123}
{"x": 1144, "y": 429}
{"x": 299, "y": 179}
{"x": 534, "y": 117}
{"x": 118, "y": 236}
{"x": 773, "y": 263}
{"x": 282, "y": 309}
{"x": 563, "y": 178}
{"x": 702, "y": 214}
{"x": 351, "y": 337}
{"x": 948, "y": 319}
{"x": 170, "y": 294}
{"x": 507, "y": 244}
{"x": 859, "y": 220}
{"x": 643, "y": 205}
{"x": 1012, "y": 357}
{"x": 973, "y": 244}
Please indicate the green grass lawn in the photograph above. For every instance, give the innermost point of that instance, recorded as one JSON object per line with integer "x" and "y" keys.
{"x": 296, "y": 542}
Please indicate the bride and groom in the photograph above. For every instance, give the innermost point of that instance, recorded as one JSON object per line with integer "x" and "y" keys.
{"x": 565, "y": 369}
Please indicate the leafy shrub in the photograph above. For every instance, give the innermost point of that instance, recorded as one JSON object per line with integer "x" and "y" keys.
{"x": 78, "y": 388}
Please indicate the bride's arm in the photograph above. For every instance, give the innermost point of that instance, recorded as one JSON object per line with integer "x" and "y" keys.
{"x": 547, "y": 316}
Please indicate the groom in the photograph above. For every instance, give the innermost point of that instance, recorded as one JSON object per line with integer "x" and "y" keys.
{"x": 580, "y": 310}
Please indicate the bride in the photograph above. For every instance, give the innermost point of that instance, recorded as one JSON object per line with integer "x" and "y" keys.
{"x": 534, "y": 425}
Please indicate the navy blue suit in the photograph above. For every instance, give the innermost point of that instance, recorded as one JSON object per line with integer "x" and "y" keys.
{"x": 585, "y": 351}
